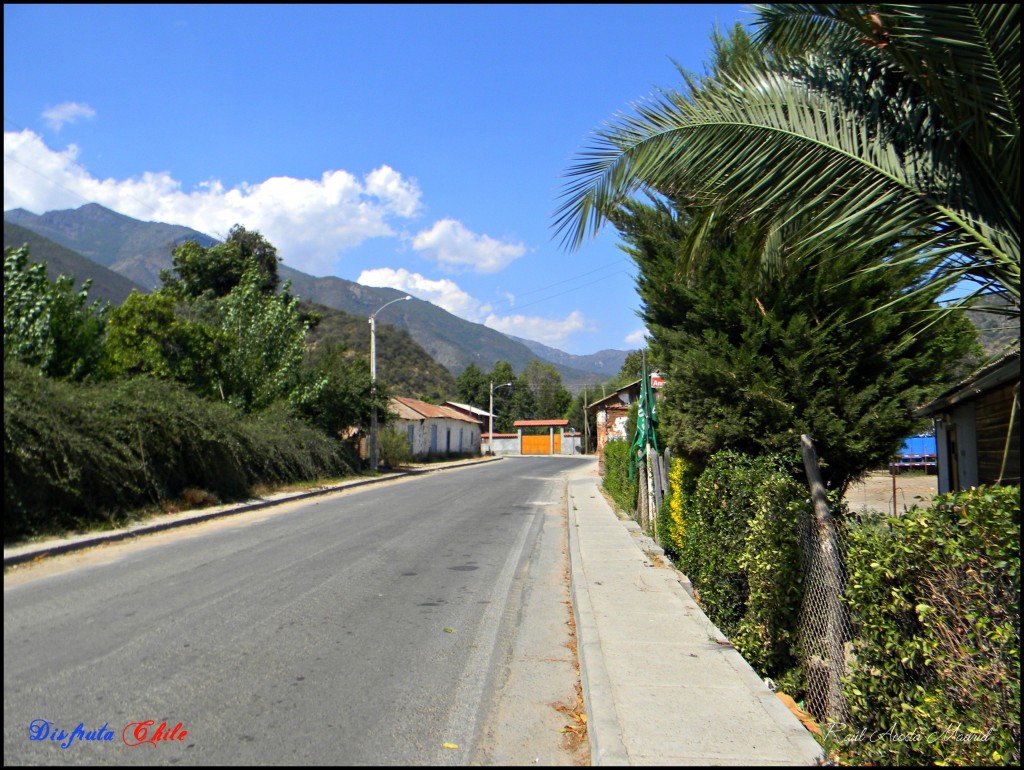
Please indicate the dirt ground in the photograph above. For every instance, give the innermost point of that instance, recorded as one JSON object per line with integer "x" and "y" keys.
{"x": 875, "y": 493}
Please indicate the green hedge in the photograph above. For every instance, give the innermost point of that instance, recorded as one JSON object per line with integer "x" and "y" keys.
{"x": 617, "y": 483}
{"x": 740, "y": 547}
{"x": 935, "y": 600}
{"x": 82, "y": 456}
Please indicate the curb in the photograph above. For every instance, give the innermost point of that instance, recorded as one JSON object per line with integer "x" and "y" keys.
{"x": 26, "y": 553}
{"x": 603, "y": 731}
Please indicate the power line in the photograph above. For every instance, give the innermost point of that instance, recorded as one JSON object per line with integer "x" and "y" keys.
{"x": 569, "y": 291}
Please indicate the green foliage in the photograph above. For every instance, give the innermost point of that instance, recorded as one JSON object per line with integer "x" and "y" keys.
{"x": 506, "y": 404}
{"x": 750, "y": 368}
{"x": 544, "y": 383}
{"x": 581, "y": 419}
{"x": 737, "y": 534}
{"x": 47, "y": 324}
{"x": 935, "y": 601}
{"x": 393, "y": 448}
{"x": 682, "y": 480}
{"x": 617, "y": 482}
{"x": 335, "y": 392}
{"x": 81, "y": 456}
{"x": 474, "y": 388}
{"x": 215, "y": 271}
{"x": 147, "y": 336}
{"x": 266, "y": 345}
{"x": 850, "y": 124}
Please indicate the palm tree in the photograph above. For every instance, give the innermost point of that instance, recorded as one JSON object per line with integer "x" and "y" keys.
{"x": 859, "y": 127}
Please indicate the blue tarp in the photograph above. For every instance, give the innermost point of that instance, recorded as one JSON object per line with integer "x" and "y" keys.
{"x": 918, "y": 445}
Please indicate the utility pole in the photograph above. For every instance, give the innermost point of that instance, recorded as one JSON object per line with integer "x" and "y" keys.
{"x": 490, "y": 438}
{"x": 586, "y": 422}
{"x": 373, "y": 380}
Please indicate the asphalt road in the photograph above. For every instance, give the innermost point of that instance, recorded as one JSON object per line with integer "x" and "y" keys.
{"x": 374, "y": 626}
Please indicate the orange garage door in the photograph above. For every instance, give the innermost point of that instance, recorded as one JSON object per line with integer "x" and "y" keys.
{"x": 541, "y": 445}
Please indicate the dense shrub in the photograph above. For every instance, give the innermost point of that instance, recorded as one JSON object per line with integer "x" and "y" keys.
{"x": 622, "y": 489}
{"x": 79, "y": 456}
{"x": 393, "y": 448}
{"x": 682, "y": 479}
{"x": 935, "y": 601}
{"x": 737, "y": 535}
{"x": 47, "y": 324}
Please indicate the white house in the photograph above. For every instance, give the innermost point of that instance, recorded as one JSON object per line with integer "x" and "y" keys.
{"x": 434, "y": 429}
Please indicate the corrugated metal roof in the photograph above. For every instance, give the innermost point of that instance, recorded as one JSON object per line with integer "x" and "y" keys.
{"x": 631, "y": 391}
{"x": 539, "y": 423}
{"x": 414, "y": 409}
{"x": 995, "y": 375}
{"x": 467, "y": 408}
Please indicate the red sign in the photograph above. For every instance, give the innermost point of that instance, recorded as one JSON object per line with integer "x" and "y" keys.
{"x": 657, "y": 381}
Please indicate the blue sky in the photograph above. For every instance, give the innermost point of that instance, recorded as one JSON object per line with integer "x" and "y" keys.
{"x": 421, "y": 147}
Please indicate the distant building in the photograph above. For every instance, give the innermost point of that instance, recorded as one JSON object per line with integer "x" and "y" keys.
{"x": 977, "y": 427}
{"x": 611, "y": 414}
{"x": 433, "y": 429}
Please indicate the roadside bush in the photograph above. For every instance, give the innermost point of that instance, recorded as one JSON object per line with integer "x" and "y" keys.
{"x": 935, "y": 602}
{"x": 85, "y": 456}
{"x": 617, "y": 483}
{"x": 393, "y": 448}
{"x": 682, "y": 479}
{"x": 715, "y": 525}
{"x": 738, "y": 540}
{"x": 767, "y": 635}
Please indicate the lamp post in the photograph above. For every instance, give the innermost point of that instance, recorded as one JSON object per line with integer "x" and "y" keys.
{"x": 490, "y": 439}
{"x": 373, "y": 379}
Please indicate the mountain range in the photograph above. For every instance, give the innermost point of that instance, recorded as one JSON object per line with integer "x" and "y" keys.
{"x": 120, "y": 253}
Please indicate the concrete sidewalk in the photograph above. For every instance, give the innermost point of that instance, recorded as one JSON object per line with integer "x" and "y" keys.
{"x": 659, "y": 687}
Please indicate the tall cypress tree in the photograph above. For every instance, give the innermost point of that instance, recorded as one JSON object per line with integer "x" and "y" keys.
{"x": 751, "y": 366}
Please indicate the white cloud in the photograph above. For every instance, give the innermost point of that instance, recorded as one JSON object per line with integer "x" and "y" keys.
{"x": 454, "y": 247}
{"x": 637, "y": 339}
{"x": 443, "y": 293}
{"x": 545, "y": 330}
{"x": 446, "y": 294}
{"x": 310, "y": 221}
{"x": 68, "y": 112}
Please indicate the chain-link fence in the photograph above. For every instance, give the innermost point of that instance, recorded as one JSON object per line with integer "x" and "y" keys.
{"x": 825, "y": 630}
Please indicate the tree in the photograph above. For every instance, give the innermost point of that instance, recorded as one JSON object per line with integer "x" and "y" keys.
{"x": 752, "y": 370}
{"x": 523, "y": 404}
{"x": 267, "y": 336}
{"x": 47, "y": 324}
{"x": 550, "y": 398}
{"x": 216, "y": 270}
{"x": 855, "y": 126}
{"x": 148, "y": 336}
{"x": 474, "y": 387}
{"x": 584, "y": 421}
{"x": 505, "y": 411}
{"x": 335, "y": 393}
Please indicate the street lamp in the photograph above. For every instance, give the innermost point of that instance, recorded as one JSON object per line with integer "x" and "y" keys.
{"x": 490, "y": 439}
{"x": 373, "y": 379}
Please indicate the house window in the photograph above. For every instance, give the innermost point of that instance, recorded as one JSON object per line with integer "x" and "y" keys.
{"x": 411, "y": 434}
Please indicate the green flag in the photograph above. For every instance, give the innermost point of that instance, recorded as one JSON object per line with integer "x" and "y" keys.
{"x": 646, "y": 420}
